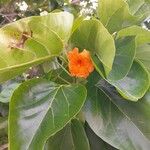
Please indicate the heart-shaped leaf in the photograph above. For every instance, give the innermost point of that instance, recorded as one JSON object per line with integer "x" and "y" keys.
{"x": 71, "y": 137}
{"x": 139, "y": 109}
{"x": 135, "y": 84}
{"x": 142, "y": 35}
{"x": 115, "y": 14}
{"x": 93, "y": 36}
{"x": 31, "y": 41}
{"x": 142, "y": 39}
{"x": 61, "y": 23}
{"x": 125, "y": 53}
{"x": 114, "y": 120}
{"x": 39, "y": 109}
{"x": 139, "y": 8}
{"x": 96, "y": 143}
{"x": 143, "y": 54}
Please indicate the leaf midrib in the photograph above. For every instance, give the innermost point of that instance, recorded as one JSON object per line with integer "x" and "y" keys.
{"x": 25, "y": 64}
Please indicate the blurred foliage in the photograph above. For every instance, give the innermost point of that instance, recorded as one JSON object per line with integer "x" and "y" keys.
{"x": 12, "y": 10}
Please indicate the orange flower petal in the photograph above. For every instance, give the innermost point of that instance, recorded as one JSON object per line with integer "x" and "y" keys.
{"x": 80, "y": 64}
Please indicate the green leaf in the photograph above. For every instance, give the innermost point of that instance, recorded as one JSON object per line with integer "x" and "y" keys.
{"x": 7, "y": 91}
{"x": 39, "y": 109}
{"x": 143, "y": 54}
{"x": 77, "y": 23}
{"x": 135, "y": 84}
{"x": 142, "y": 39}
{"x": 111, "y": 123}
{"x": 142, "y": 35}
{"x": 144, "y": 11}
{"x": 125, "y": 53}
{"x": 59, "y": 76}
{"x": 31, "y": 41}
{"x": 104, "y": 6}
{"x": 96, "y": 143}
{"x": 115, "y": 14}
{"x": 61, "y": 23}
{"x": 71, "y": 137}
{"x": 79, "y": 135}
{"x": 135, "y": 5}
{"x": 139, "y": 7}
{"x": 98, "y": 66}
{"x": 93, "y": 36}
{"x": 139, "y": 109}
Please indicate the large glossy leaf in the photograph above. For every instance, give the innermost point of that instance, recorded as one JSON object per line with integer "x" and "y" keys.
{"x": 135, "y": 84}
{"x": 115, "y": 126}
{"x": 144, "y": 10}
{"x": 142, "y": 35}
{"x": 125, "y": 53}
{"x": 98, "y": 66}
{"x": 93, "y": 36}
{"x": 139, "y": 109}
{"x": 143, "y": 54}
{"x": 134, "y": 5}
{"x": 61, "y": 23}
{"x": 142, "y": 38}
{"x": 115, "y": 14}
{"x": 139, "y": 7}
{"x": 104, "y": 6}
{"x": 39, "y": 109}
{"x": 77, "y": 22}
{"x": 96, "y": 143}
{"x": 31, "y": 41}
{"x": 72, "y": 137}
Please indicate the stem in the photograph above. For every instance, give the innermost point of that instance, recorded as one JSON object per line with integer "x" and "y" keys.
{"x": 63, "y": 68}
{"x": 63, "y": 59}
{"x": 63, "y": 80}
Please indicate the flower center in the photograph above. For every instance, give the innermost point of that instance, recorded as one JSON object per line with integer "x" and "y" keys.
{"x": 79, "y": 61}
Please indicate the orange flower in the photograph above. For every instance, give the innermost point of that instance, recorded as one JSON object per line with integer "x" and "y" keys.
{"x": 80, "y": 64}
